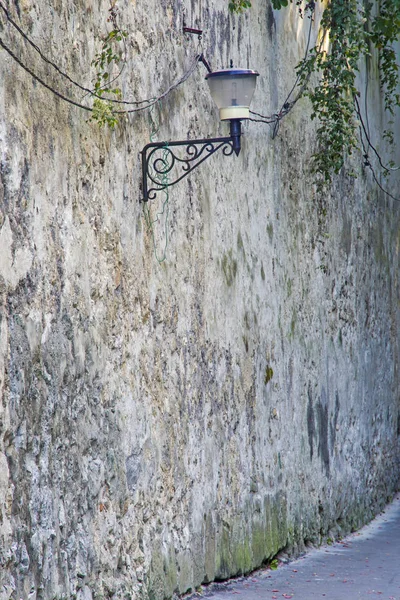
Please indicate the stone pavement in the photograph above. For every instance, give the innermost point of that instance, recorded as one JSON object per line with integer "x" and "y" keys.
{"x": 363, "y": 566}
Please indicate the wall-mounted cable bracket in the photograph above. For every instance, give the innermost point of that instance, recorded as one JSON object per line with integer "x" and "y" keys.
{"x": 205, "y": 62}
{"x": 192, "y": 30}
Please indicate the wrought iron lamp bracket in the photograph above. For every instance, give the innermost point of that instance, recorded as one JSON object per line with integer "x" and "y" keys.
{"x": 160, "y": 158}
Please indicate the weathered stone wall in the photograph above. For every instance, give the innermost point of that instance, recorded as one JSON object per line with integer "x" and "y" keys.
{"x": 163, "y": 425}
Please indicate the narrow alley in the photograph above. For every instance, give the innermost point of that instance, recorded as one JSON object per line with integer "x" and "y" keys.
{"x": 364, "y": 565}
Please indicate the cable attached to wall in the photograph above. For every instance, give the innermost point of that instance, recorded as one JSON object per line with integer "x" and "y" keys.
{"x": 39, "y": 80}
{"x": 146, "y": 104}
{"x": 138, "y": 104}
{"x": 366, "y": 146}
{"x": 287, "y": 105}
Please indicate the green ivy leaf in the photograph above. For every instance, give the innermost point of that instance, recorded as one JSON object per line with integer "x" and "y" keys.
{"x": 278, "y": 4}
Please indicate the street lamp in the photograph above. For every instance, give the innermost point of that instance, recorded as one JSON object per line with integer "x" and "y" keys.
{"x": 232, "y": 91}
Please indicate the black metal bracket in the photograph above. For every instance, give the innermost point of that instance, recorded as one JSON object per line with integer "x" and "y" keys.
{"x": 159, "y": 159}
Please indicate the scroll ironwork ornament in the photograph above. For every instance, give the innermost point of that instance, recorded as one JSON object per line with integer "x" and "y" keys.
{"x": 159, "y": 159}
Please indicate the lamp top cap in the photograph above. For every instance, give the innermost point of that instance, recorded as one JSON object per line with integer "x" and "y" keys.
{"x": 232, "y": 72}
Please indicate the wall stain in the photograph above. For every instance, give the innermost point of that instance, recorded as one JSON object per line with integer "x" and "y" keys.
{"x": 334, "y": 423}
{"x": 310, "y": 422}
{"x": 322, "y": 411}
{"x": 229, "y": 267}
{"x": 271, "y": 21}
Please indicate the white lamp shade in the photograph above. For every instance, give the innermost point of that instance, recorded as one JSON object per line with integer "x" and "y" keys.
{"x": 232, "y": 91}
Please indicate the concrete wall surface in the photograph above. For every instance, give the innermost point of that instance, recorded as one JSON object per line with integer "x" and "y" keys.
{"x": 165, "y": 424}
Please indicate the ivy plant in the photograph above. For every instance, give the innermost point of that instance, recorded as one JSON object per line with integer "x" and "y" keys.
{"x": 239, "y": 6}
{"x": 109, "y": 57}
{"x": 354, "y": 29}
{"x": 332, "y": 98}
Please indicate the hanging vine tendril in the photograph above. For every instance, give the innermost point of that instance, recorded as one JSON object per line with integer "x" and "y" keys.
{"x": 161, "y": 179}
{"x": 354, "y": 30}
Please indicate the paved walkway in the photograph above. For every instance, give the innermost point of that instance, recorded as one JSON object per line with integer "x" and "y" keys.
{"x": 363, "y": 566}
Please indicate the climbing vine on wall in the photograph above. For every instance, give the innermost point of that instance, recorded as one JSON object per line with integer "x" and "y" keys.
{"x": 333, "y": 97}
{"x": 109, "y": 58}
{"x": 349, "y": 32}
{"x": 239, "y": 6}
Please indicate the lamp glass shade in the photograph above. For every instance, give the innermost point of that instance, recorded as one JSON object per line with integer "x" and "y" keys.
{"x": 232, "y": 91}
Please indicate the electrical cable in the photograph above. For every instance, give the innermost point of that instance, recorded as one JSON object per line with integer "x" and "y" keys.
{"x": 42, "y": 56}
{"x": 172, "y": 87}
{"x": 367, "y": 137}
{"x": 149, "y": 102}
{"x": 39, "y": 80}
{"x": 287, "y": 106}
{"x": 60, "y": 71}
{"x": 262, "y": 120}
{"x": 269, "y": 120}
{"x": 367, "y": 163}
